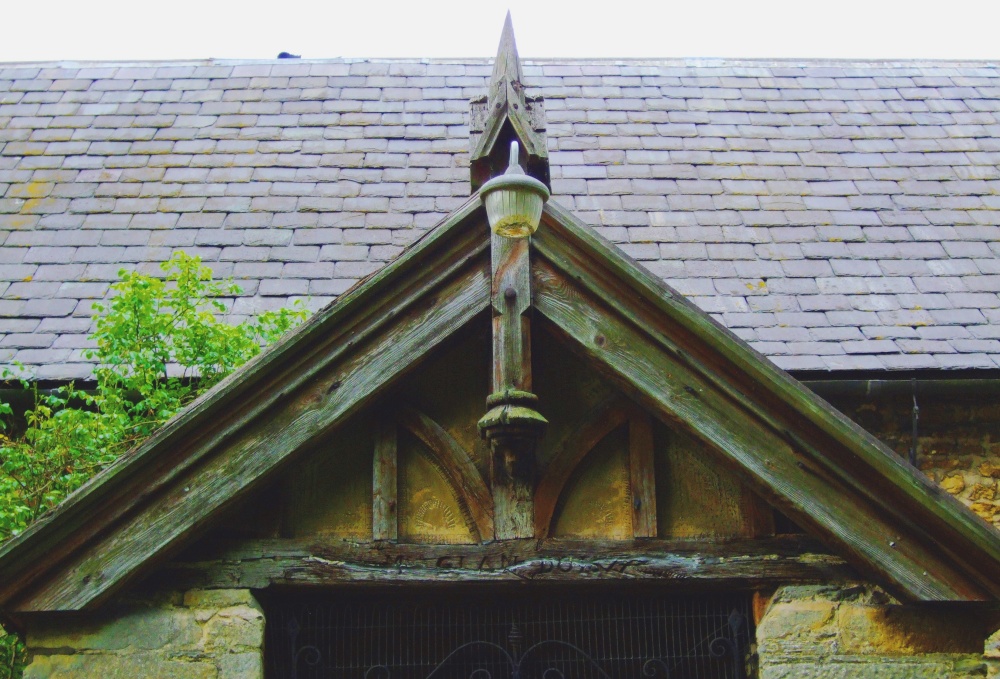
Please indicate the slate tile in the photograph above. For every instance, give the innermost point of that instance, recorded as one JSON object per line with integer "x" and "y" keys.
{"x": 957, "y": 316}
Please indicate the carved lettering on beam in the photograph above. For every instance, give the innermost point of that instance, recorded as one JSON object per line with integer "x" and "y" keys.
{"x": 734, "y": 563}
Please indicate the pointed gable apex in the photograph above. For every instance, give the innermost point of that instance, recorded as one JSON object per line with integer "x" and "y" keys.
{"x": 507, "y": 114}
{"x": 796, "y": 451}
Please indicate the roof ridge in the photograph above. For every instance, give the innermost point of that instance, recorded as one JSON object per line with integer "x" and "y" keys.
{"x": 629, "y": 61}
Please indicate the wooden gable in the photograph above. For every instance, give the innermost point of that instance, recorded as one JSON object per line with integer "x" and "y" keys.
{"x": 669, "y": 441}
{"x": 498, "y": 408}
{"x": 413, "y": 469}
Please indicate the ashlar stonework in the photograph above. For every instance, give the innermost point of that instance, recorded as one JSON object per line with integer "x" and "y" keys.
{"x": 822, "y": 632}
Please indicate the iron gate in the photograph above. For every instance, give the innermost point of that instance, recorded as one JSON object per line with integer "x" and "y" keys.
{"x": 463, "y": 635}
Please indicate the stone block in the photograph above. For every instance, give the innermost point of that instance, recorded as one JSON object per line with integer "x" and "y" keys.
{"x": 864, "y": 667}
{"x": 241, "y": 666}
{"x": 794, "y": 623}
{"x": 900, "y": 630}
{"x": 236, "y": 628}
{"x": 218, "y": 598}
{"x": 107, "y": 666}
{"x": 125, "y": 626}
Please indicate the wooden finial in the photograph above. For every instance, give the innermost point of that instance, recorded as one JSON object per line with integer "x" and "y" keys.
{"x": 506, "y": 114}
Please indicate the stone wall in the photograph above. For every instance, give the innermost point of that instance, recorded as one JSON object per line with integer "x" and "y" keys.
{"x": 958, "y": 440}
{"x": 199, "y": 634}
{"x": 823, "y": 632}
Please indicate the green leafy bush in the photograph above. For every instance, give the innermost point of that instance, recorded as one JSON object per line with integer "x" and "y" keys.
{"x": 12, "y": 656}
{"x": 160, "y": 344}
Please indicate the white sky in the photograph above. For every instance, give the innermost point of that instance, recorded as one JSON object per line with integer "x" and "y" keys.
{"x": 79, "y": 30}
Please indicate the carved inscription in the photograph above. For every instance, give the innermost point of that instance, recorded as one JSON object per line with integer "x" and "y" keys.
{"x": 527, "y": 568}
{"x": 739, "y": 563}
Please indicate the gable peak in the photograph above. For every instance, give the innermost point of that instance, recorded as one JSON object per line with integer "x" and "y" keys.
{"x": 507, "y": 66}
{"x": 507, "y": 114}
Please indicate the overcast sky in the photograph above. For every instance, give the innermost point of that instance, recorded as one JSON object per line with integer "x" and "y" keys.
{"x": 78, "y": 30}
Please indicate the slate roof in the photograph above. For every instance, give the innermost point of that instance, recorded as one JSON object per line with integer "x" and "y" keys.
{"x": 837, "y": 215}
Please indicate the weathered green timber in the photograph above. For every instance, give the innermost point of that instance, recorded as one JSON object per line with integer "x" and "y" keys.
{"x": 790, "y": 445}
{"x": 229, "y": 441}
{"x": 681, "y": 564}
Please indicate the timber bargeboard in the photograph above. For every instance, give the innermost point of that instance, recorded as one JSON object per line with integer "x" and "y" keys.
{"x": 848, "y": 490}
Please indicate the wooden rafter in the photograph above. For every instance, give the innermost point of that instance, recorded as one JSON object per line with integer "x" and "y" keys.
{"x": 786, "y": 443}
{"x": 665, "y": 355}
{"x": 158, "y": 497}
{"x": 457, "y": 467}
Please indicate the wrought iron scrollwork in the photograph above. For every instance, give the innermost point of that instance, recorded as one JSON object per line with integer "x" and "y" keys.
{"x": 518, "y": 662}
{"x": 726, "y": 647}
{"x": 655, "y": 667}
{"x": 308, "y": 654}
{"x": 548, "y": 659}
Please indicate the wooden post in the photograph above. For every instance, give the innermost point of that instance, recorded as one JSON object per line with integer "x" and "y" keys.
{"x": 385, "y": 525}
{"x": 511, "y": 298}
{"x": 640, "y": 450}
{"x": 512, "y": 425}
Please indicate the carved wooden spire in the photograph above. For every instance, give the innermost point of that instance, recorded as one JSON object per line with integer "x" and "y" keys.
{"x": 506, "y": 114}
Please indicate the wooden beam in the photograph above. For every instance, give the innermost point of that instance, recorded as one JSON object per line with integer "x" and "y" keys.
{"x": 668, "y": 563}
{"x": 457, "y": 466}
{"x": 657, "y": 376}
{"x": 510, "y": 296}
{"x": 216, "y": 417}
{"x": 642, "y": 474}
{"x": 385, "y": 520}
{"x": 201, "y": 469}
{"x": 832, "y": 440}
{"x": 512, "y": 425}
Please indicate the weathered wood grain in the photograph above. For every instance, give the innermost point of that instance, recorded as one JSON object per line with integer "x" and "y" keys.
{"x": 659, "y": 378}
{"x": 457, "y": 466}
{"x": 642, "y": 474}
{"x": 511, "y": 299}
{"x": 385, "y": 521}
{"x": 339, "y": 361}
{"x": 681, "y": 564}
{"x": 837, "y": 444}
{"x": 506, "y": 101}
{"x": 513, "y": 464}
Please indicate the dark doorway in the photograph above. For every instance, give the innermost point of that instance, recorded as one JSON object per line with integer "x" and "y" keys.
{"x": 505, "y": 634}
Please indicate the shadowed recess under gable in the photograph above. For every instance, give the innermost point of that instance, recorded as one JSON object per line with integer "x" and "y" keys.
{"x": 607, "y": 470}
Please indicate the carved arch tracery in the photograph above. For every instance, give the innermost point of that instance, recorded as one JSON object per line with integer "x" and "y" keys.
{"x": 591, "y": 429}
{"x": 448, "y": 456}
